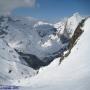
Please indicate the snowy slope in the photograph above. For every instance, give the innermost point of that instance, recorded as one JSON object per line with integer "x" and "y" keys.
{"x": 11, "y": 67}
{"x": 72, "y": 74}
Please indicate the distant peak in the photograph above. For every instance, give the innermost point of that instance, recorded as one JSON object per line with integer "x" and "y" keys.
{"x": 76, "y": 14}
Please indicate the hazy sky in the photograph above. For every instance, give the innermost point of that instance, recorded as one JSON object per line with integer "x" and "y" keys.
{"x": 50, "y": 9}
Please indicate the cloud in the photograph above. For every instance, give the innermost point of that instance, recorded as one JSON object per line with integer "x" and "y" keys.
{"x": 6, "y": 6}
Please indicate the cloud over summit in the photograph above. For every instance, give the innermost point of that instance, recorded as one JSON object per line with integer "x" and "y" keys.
{"x": 6, "y": 6}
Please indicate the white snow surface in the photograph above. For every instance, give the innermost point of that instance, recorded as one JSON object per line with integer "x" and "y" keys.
{"x": 10, "y": 62}
{"x": 72, "y": 74}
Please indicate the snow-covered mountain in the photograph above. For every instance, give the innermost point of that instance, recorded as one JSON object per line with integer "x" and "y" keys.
{"x": 27, "y": 44}
{"x": 68, "y": 25}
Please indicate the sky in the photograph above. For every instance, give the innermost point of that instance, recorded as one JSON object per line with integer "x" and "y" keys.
{"x": 50, "y": 10}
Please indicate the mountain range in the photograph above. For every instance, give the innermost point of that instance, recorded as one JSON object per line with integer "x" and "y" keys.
{"x": 30, "y": 48}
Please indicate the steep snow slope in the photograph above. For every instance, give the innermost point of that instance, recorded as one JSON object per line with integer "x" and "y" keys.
{"x": 11, "y": 68}
{"x": 72, "y": 74}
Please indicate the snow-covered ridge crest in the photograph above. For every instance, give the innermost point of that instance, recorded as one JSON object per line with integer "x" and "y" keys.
{"x": 69, "y": 24}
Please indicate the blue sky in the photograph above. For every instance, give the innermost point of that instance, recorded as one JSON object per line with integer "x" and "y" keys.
{"x": 54, "y": 10}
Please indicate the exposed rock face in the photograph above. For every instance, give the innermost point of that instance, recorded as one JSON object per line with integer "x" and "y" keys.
{"x": 73, "y": 40}
{"x": 32, "y": 61}
{"x": 76, "y": 34}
